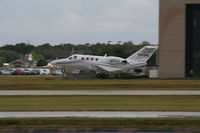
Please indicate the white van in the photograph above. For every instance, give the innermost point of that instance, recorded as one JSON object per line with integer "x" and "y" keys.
{"x": 44, "y": 71}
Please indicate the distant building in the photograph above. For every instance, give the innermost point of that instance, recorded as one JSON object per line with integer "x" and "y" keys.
{"x": 30, "y": 57}
{"x": 6, "y": 64}
{"x": 179, "y": 39}
{"x": 17, "y": 63}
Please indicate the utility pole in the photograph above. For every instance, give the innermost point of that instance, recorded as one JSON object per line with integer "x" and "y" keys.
{"x": 72, "y": 50}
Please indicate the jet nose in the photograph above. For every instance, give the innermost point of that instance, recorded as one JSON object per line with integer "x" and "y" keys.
{"x": 58, "y": 62}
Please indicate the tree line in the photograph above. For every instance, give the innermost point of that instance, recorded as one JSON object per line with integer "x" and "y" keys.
{"x": 47, "y": 52}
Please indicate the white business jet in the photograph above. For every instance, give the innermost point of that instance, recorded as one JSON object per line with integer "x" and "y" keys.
{"x": 106, "y": 64}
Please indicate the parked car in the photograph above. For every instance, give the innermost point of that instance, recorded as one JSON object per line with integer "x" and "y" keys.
{"x": 35, "y": 72}
{"x": 6, "y": 72}
{"x": 27, "y": 71}
{"x": 76, "y": 72}
{"x": 19, "y": 72}
{"x": 57, "y": 72}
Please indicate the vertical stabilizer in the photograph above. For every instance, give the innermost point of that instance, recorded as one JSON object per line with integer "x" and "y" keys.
{"x": 143, "y": 54}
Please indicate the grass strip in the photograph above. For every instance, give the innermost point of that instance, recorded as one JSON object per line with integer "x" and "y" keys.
{"x": 99, "y": 122}
{"x": 57, "y": 83}
{"x": 99, "y": 103}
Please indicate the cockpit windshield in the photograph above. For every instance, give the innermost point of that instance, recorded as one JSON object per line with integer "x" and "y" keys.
{"x": 73, "y": 57}
{"x": 69, "y": 58}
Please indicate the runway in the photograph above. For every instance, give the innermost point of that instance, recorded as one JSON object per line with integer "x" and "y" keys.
{"x": 95, "y": 92}
{"x": 100, "y": 114}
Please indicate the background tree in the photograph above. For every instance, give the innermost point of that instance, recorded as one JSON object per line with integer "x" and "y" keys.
{"x": 37, "y": 56}
{"x": 22, "y": 48}
{"x": 8, "y": 55}
{"x": 42, "y": 63}
{"x": 2, "y": 60}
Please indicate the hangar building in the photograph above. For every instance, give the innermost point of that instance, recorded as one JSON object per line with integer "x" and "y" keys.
{"x": 179, "y": 39}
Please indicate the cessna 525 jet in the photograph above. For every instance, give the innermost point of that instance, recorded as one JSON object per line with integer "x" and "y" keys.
{"x": 105, "y": 64}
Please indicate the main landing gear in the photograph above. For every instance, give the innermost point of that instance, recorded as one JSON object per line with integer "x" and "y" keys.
{"x": 102, "y": 75}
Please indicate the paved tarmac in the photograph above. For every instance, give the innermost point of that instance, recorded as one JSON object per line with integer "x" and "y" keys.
{"x": 96, "y": 92}
{"x": 100, "y": 114}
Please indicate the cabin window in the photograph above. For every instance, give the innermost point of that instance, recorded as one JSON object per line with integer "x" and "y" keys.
{"x": 92, "y": 58}
{"x": 75, "y": 57}
{"x": 87, "y": 58}
{"x": 82, "y": 58}
{"x": 70, "y": 58}
{"x": 97, "y": 59}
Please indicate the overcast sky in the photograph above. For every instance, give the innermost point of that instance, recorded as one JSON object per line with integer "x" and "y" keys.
{"x": 78, "y": 21}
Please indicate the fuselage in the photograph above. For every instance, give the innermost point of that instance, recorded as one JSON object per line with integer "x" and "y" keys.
{"x": 91, "y": 62}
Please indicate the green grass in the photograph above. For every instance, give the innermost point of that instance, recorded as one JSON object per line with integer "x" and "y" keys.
{"x": 57, "y": 83}
{"x": 99, "y": 123}
{"x": 99, "y": 103}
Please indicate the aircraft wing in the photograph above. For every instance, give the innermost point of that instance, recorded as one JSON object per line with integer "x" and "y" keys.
{"x": 109, "y": 69}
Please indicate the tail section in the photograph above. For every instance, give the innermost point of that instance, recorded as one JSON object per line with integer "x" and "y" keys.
{"x": 143, "y": 54}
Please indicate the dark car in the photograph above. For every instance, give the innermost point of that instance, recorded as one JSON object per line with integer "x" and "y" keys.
{"x": 35, "y": 72}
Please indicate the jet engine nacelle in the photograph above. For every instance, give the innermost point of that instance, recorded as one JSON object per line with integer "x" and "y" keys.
{"x": 124, "y": 61}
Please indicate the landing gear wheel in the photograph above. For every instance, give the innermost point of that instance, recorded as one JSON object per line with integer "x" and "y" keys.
{"x": 102, "y": 75}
